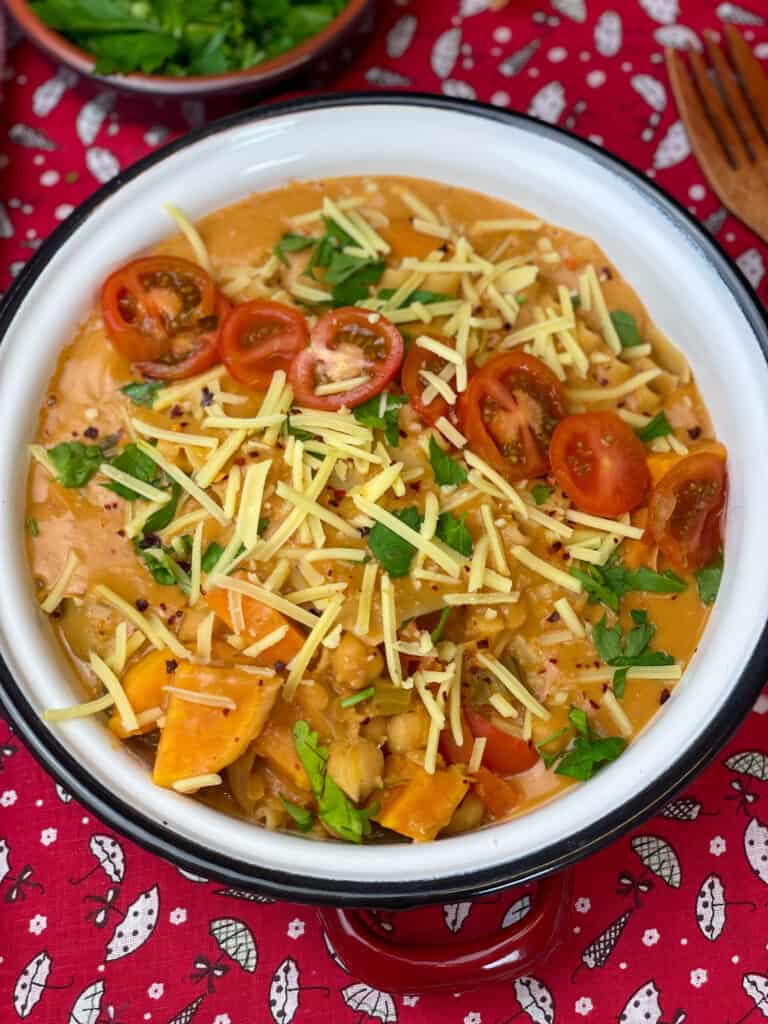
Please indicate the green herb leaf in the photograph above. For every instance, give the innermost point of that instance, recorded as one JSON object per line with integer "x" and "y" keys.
{"x": 335, "y": 808}
{"x": 453, "y": 531}
{"x": 160, "y": 519}
{"x": 134, "y": 462}
{"x": 123, "y": 52}
{"x": 32, "y": 526}
{"x": 300, "y": 435}
{"x": 262, "y": 526}
{"x": 357, "y": 698}
{"x": 540, "y": 493}
{"x": 447, "y": 471}
{"x": 549, "y": 759}
{"x": 578, "y": 719}
{"x": 142, "y": 392}
{"x": 75, "y": 463}
{"x": 621, "y": 651}
{"x": 708, "y": 579}
{"x": 659, "y": 426}
{"x": 595, "y": 585}
{"x": 343, "y": 266}
{"x": 292, "y": 243}
{"x": 437, "y": 633}
{"x": 382, "y": 412}
{"x": 300, "y": 815}
{"x": 626, "y": 328}
{"x": 588, "y": 755}
{"x": 419, "y": 295}
{"x": 619, "y": 682}
{"x": 393, "y": 553}
{"x": 611, "y": 582}
{"x": 356, "y": 286}
{"x": 607, "y": 641}
{"x": 162, "y": 566}
{"x": 211, "y": 556}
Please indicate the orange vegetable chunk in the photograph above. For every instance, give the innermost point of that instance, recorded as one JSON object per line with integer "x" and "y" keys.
{"x": 499, "y": 796}
{"x": 424, "y": 803}
{"x": 198, "y": 739}
{"x": 143, "y": 684}
{"x": 260, "y": 621}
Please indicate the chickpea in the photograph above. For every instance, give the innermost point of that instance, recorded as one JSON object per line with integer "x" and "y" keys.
{"x": 468, "y": 815}
{"x": 409, "y": 731}
{"x": 375, "y": 730}
{"x": 356, "y": 767}
{"x": 354, "y": 664}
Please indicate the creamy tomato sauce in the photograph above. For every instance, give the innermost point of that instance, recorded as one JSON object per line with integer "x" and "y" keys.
{"x": 149, "y": 613}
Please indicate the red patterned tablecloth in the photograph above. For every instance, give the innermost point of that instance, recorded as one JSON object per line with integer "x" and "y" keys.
{"x": 670, "y": 922}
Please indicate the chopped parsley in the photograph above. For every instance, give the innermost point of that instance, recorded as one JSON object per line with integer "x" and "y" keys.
{"x": 622, "y": 652}
{"x": 419, "y": 295}
{"x": 357, "y": 698}
{"x": 659, "y": 426}
{"x": 392, "y": 551}
{"x": 74, "y": 462}
{"x": 453, "y": 531}
{"x": 335, "y": 809}
{"x": 142, "y": 392}
{"x": 301, "y": 816}
{"x": 292, "y": 243}
{"x": 135, "y": 463}
{"x": 382, "y": 412}
{"x": 447, "y": 471}
{"x": 540, "y": 493}
{"x": 349, "y": 276}
{"x": 547, "y": 758}
{"x": 586, "y": 754}
{"x": 162, "y": 565}
{"x": 708, "y": 579}
{"x": 32, "y": 526}
{"x": 611, "y": 582}
{"x": 437, "y": 633}
{"x": 626, "y": 328}
{"x": 211, "y": 556}
{"x": 162, "y": 518}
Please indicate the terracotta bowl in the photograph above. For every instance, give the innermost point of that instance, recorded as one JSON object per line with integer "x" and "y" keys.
{"x": 323, "y": 54}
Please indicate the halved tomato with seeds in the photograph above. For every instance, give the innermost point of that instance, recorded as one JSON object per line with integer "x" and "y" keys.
{"x": 260, "y": 337}
{"x": 600, "y": 463}
{"x": 353, "y": 354}
{"x": 163, "y": 313}
{"x": 512, "y": 406}
{"x": 686, "y": 509}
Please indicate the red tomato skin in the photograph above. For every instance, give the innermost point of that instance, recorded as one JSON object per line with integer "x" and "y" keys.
{"x": 255, "y": 366}
{"x": 198, "y": 361}
{"x": 449, "y": 748}
{"x": 492, "y": 382}
{"x": 499, "y": 796}
{"x": 417, "y": 359}
{"x": 505, "y": 754}
{"x": 623, "y": 479}
{"x": 687, "y": 554}
{"x": 148, "y": 340}
{"x": 301, "y": 375}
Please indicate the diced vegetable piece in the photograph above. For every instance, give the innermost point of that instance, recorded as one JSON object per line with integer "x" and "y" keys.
{"x": 143, "y": 685}
{"x": 198, "y": 739}
{"x": 260, "y": 620}
{"x": 499, "y": 796}
{"x": 422, "y": 804}
{"x": 635, "y": 553}
{"x": 276, "y": 746}
{"x": 389, "y": 700}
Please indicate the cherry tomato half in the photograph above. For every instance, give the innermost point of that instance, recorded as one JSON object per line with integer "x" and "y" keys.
{"x": 504, "y": 753}
{"x": 600, "y": 463}
{"x": 414, "y": 385}
{"x": 513, "y": 404}
{"x": 686, "y": 509}
{"x": 161, "y": 309}
{"x": 260, "y": 337}
{"x": 345, "y": 344}
{"x": 190, "y": 354}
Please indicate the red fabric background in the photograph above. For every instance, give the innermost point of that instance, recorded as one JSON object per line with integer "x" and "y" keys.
{"x": 596, "y": 67}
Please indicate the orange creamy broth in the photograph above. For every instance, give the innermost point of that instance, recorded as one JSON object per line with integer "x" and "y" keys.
{"x": 84, "y": 392}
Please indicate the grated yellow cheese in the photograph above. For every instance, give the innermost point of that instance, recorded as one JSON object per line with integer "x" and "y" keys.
{"x": 196, "y": 782}
{"x": 617, "y": 713}
{"x": 193, "y": 236}
{"x": 90, "y": 707}
{"x": 311, "y": 507}
{"x": 218, "y": 459}
{"x": 634, "y": 419}
{"x": 210, "y": 700}
{"x": 608, "y": 394}
{"x": 477, "y": 567}
{"x": 251, "y": 499}
{"x": 58, "y": 590}
{"x": 168, "y": 638}
{"x": 496, "y": 548}
{"x": 428, "y": 227}
{"x": 266, "y": 596}
{"x": 606, "y": 324}
{"x": 476, "y": 757}
{"x": 176, "y": 393}
{"x": 498, "y": 480}
{"x": 605, "y": 675}
{"x": 298, "y": 664}
{"x": 117, "y": 658}
{"x": 550, "y": 523}
{"x": 115, "y": 689}
{"x": 266, "y": 642}
{"x": 145, "y": 490}
{"x": 502, "y": 705}
{"x": 234, "y": 480}
{"x": 440, "y": 554}
{"x": 339, "y": 387}
{"x": 182, "y": 523}
{"x": 204, "y": 637}
{"x": 173, "y": 436}
{"x": 513, "y": 684}
{"x": 456, "y": 600}
{"x": 181, "y": 478}
{"x": 450, "y": 433}
{"x": 636, "y": 352}
{"x": 315, "y": 216}
{"x": 569, "y": 617}
{"x": 600, "y": 523}
{"x": 530, "y": 333}
{"x": 129, "y": 612}
{"x": 317, "y": 593}
{"x": 484, "y": 227}
{"x": 389, "y": 629}
{"x": 549, "y": 572}
{"x": 363, "y": 620}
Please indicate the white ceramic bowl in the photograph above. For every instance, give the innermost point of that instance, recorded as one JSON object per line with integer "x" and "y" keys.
{"x": 692, "y": 292}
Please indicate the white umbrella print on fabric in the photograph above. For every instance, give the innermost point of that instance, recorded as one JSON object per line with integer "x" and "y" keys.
{"x": 284, "y": 991}
{"x": 710, "y": 907}
{"x": 535, "y": 1000}
{"x": 88, "y": 1004}
{"x": 136, "y": 927}
{"x": 370, "y": 1002}
{"x": 5, "y": 866}
{"x": 109, "y": 857}
{"x": 756, "y": 987}
{"x": 643, "y": 1007}
{"x": 31, "y": 984}
{"x": 187, "y": 1014}
{"x": 235, "y": 939}
{"x": 659, "y": 857}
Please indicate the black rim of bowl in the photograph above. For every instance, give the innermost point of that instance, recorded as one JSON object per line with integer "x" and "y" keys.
{"x": 156, "y": 836}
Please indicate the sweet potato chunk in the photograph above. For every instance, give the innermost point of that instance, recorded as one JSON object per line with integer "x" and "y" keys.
{"x": 143, "y": 685}
{"x": 260, "y": 620}
{"x": 198, "y": 739}
{"x": 423, "y": 804}
{"x": 276, "y": 746}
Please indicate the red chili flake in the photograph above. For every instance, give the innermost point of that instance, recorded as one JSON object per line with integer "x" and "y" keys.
{"x": 694, "y": 433}
{"x": 279, "y": 666}
{"x": 142, "y": 604}
{"x": 554, "y": 617}
{"x": 176, "y": 411}
{"x": 664, "y": 696}
{"x": 93, "y": 432}
{"x": 171, "y": 665}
